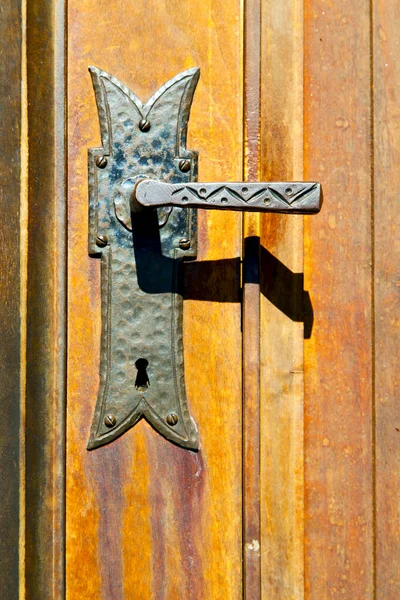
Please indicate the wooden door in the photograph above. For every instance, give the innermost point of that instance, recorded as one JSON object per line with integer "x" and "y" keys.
{"x": 290, "y": 324}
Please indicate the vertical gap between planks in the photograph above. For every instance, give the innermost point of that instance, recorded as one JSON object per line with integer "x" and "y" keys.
{"x": 61, "y": 24}
{"x": 372, "y": 200}
{"x": 251, "y": 307}
{"x": 303, "y": 143}
{"x": 23, "y": 298}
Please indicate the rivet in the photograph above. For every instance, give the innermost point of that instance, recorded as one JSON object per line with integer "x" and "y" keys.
{"x": 101, "y": 162}
{"x": 289, "y": 191}
{"x": 144, "y": 125}
{"x": 110, "y": 420}
{"x": 184, "y": 244}
{"x": 172, "y": 419}
{"x": 184, "y": 165}
{"x": 101, "y": 241}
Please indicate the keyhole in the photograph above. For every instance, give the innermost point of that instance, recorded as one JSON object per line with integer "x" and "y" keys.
{"x": 142, "y": 379}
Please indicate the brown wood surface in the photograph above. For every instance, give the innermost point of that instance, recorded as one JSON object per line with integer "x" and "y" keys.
{"x": 281, "y": 264}
{"x": 45, "y": 301}
{"x": 251, "y": 308}
{"x": 338, "y": 435}
{"x": 11, "y": 290}
{"x": 386, "y": 79}
{"x": 146, "y": 519}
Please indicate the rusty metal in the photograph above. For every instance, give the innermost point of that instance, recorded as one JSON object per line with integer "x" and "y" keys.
{"x": 143, "y": 205}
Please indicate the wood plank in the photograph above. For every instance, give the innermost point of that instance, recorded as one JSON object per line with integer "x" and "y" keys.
{"x": 251, "y": 309}
{"x": 251, "y": 417}
{"x": 282, "y": 485}
{"x": 10, "y": 290}
{"x": 386, "y": 41}
{"x": 146, "y": 519}
{"x": 339, "y": 535}
{"x": 46, "y": 301}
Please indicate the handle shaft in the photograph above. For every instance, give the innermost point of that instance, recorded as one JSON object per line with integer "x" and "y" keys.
{"x": 281, "y": 197}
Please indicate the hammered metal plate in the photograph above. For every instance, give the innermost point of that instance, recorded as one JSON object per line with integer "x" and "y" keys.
{"x": 141, "y": 362}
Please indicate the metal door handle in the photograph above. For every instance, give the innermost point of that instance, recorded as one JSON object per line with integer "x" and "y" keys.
{"x": 295, "y": 197}
{"x": 142, "y": 224}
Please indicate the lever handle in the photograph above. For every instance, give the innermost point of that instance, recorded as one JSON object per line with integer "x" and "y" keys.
{"x": 282, "y": 197}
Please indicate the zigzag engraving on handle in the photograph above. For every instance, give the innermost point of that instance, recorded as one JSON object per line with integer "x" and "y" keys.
{"x": 295, "y": 197}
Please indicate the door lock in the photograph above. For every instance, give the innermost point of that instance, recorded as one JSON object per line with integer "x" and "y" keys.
{"x": 143, "y": 196}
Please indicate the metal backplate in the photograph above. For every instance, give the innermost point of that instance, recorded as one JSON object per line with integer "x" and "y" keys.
{"x": 141, "y": 364}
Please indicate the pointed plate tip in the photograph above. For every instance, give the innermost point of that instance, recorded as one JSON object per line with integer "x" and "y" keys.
{"x": 91, "y": 445}
{"x": 194, "y": 72}
{"x": 194, "y": 445}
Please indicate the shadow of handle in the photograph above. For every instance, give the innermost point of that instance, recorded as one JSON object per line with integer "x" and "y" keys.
{"x": 219, "y": 281}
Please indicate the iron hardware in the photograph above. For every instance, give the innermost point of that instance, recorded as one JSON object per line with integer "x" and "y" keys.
{"x": 299, "y": 198}
{"x": 143, "y": 224}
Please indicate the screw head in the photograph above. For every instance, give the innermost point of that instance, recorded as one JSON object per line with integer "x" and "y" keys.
{"x": 110, "y": 420}
{"x": 184, "y": 244}
{"x": 172, "y": 419}
{"x": 184, "y": 165}
{"x": 101, "y": 162}
{"x": 101, "y": 241}
{"x": 144, "y": 125}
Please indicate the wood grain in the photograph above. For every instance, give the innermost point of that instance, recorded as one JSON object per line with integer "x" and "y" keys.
{"x": 146, "y": 519}
{"x": 338, "y": 468}
{"x": 251, "y": 417}
{"x": 282, "y": 484}
{"x": 251, "y": 307}
{"x": 10, "y": 290}
{"x": 46, "y": 302}
{"x": 386, "y": 70}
